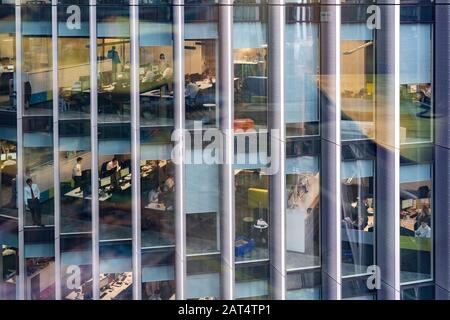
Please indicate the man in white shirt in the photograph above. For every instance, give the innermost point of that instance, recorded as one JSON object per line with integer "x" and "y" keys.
{"x": 77, "y": 172}
{"x": 32, "y": 195}
{"x": 424, "y": 231}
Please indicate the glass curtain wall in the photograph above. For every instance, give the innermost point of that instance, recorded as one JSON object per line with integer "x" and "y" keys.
{"x": 417, "y": 150}
{"x": 252, "y": 223}
{"x": 302, "y": 152}
{"x": 74, "y": 151}
{"x": 8, "y": 161}
{"x": 37, "y": 142}
{"x": 114, "y": 147}
{"x": 203, "y": 149}
{"x": 156, "y": 168}
{"x": 358, "y": 152}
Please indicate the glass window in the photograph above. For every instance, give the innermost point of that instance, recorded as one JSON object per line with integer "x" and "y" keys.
{"x": 76, "y": 267}
{"x": 38, "y": 158}
{"x": 304, "y": 285}
{"x": 203, "y": 277}
{"x": 158, "y": 274}
{"x": 302, "y": 72}
{"x": 358, "y": 208}
{"x": 252, "y": 281}
{"x": 416, "y": 221}
{"x": 355, "y": 288}
{"x": 115, "y": 271}
{"x": 357, "y": 75}
{"x": 416, "y": 84}
{"x": 303, "y": 204}
{"x": 8, "y": 159}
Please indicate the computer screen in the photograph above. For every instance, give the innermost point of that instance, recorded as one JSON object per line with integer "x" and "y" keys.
{"x": 408, "y": 203}
{"x": 3, "y": 157}
{"x": 105, "y": 181}
{"x": 124, "y": 172}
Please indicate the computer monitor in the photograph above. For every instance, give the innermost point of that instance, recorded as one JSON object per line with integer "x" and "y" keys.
{"x": 3, "y": 157}
{"x": 13, "y": 155}
{"x": 105, "y": 182}
{"x": 408, "y": 203}
{"x": 124, "y": 172}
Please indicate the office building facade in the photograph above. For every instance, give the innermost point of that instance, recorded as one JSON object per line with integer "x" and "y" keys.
{"x": 220, "y": 149}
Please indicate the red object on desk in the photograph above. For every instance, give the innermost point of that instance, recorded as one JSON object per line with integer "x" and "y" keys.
{"x": 244, "y": 124}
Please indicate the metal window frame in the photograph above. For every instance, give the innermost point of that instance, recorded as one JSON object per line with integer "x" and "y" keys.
{"x": 56, "y": 164}
{"x": 135, "y": 151}
{"x": 277, "y": 127}
{"x": 179, "y": 119}
{"x": 94, "y": 148}
{"x": 21, "y": 283}
{"x": 330, "y": 104}
{"x": 226, "y": 103}
{"x": 387, "y": 124}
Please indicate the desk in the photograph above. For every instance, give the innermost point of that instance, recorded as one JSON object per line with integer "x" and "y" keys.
{"x": 204, "y": 84}
{"x": 77, "y": 193}
{"x": 156, "y": 206}
{"x": 116, "y": 287}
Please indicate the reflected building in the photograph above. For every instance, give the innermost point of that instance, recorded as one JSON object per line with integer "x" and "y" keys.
{"x": 220, "y": 149}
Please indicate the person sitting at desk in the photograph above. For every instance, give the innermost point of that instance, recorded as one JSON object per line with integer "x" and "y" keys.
{"x": 155, "y": 196}
{"x": 149, "y": 76}
{"x": 423, "y": 216}
{"x": 191, "y": 89}
{"x": 169, "y": 183}
{"x": 113, "y": 166}
{"x": 424, "y": 231}
{"x": 77, "y": 172}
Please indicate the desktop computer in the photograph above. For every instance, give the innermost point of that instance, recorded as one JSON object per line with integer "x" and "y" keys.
{"x": 124, "y": 172}
{"x": 105, "y": 182}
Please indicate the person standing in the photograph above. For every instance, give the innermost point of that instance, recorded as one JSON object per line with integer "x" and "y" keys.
{"x": 32, "y": 195}
{"x": 114, "y": 56}
{"x": 77, "y": 172}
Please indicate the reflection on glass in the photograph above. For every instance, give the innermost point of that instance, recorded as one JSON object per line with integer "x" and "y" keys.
{"x": 423, "y": 291}
{"x": 75, "y": 175}
{"x": 302, "y": 208}
{"x": 301, "y": 81}
{"x": 113, "y": 63}
{"x": 416, "y": 89}
{"x": 357, "y": 82}
{"x": 251, "y": 282}
{"x": 158, "y": 274}
{"x": 37, "y": 121}
{"x": 416, "y": 231}
{"x": 76, "y": 267}
{"x": 252, "y": 223}
{"x": 358, "y": 216}
{"x": 200, "y": 81}
{"x": 304, "y": 285}
{"x": 40, "y": 274}
{"x": 250, "y": 67}
{"x": 116, "y": 280}
{"x": 115, "y": 184}
{"x": 8, "y": 157}
{"x": 203, "y": 277}
{"x": 252, "y": 215}
{"x": 355, "y": 288}
{"x": 157, "y": 205}
{"x": 113, "y": 55}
